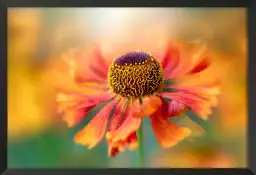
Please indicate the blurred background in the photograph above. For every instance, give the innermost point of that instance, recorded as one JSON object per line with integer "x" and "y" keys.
{"x": 37, "y": 138}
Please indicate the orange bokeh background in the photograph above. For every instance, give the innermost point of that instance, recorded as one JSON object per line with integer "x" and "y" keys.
{"x": 37, "y": 37}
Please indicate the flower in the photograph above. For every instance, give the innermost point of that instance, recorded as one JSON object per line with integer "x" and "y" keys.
{"x": 132, "y": 86}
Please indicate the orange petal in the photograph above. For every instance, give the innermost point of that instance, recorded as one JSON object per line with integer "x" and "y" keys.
{"x": 149, "y": 106}
{"x": 196, "y": 129}
{"x": 74, "y": 116}
{"x": 69, "y": 100}
{"x": 92, "y": 133}
{"x": 127, "y": 125}
{"x": 91, "y": 80}
{"x": 74, "y": 106}
{"x": 167, "y": 133}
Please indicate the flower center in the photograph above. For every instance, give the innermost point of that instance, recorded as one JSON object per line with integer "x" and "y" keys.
{"x": 135, "y": 74}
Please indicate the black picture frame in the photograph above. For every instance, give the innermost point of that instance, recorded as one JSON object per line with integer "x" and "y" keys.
{"x": 251, "y": 11}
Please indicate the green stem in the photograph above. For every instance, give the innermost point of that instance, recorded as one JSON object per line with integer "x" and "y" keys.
{"x": 140, "y": 141}
{"x": 140, "y": 147}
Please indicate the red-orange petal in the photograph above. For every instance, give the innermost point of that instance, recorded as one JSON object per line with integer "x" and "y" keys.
{"x": 199, "y": 98}
{"x": 183, "y": 64}
{"x": 201, "y": 65}
{"x": 92, "y": 133}
{"x": 90, "y": 66}
{"x": 177, "y": 64}
{"x": 115, "y": 119}
{"x": 171, "y": 59}
{"x": 131, "y": 142}
{"x": 122, "y": 131}
{"x": 200, "y": 106}
{"x": 208, "y": 92}
{"x": 127, "y": 125}
{"x": 98, "y": 65}
{"x": 176, "y": 109}
{"x": 167, "y": 133}
{"x": 73, "y": 107}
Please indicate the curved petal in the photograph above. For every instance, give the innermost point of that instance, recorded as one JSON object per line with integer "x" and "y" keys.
{"x": 71, "y": 99}
{"x": 178, "y": 61}
{"x": 74, "y": 106}
{"x": 92, "y": 133}
{"x": 99, "y": 64}
{"x": 196, "y": 129}
{"x": 199, "y": 104}
{"x": 170, "y": 59}
{"x": 207, "y": 92}
{"x": 124, "y": 127}
{"x": 122, "y": 131}
{"x": 87, "y": 65}
{"x": 149, "y": 106}
{"x": 171, "y": 109}
{"x": 167, "y": 133}
{"x": 73, "y": 116}
{"x": 63, "y": 75}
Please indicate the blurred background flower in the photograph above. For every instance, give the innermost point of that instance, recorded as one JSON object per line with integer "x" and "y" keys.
{"x": 24, "y": 114}
{"x": 201, "y": 154}
{"x": 36, "y": 38}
